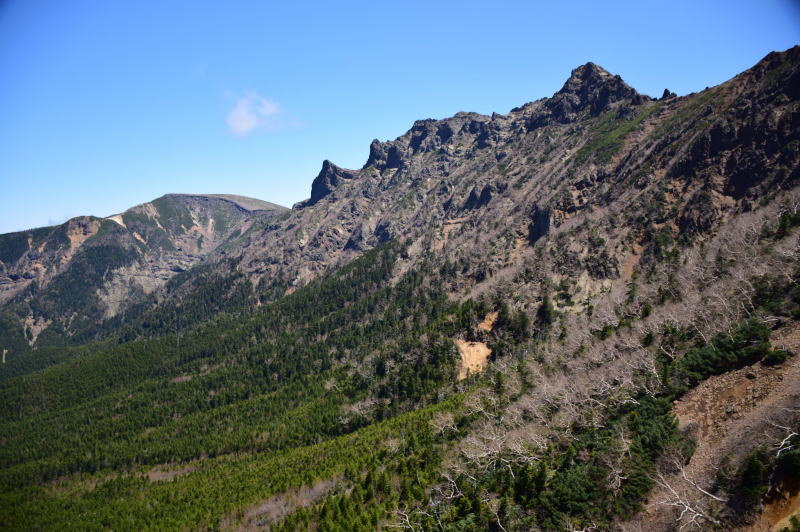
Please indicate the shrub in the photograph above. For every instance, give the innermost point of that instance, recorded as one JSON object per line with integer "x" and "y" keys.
{"x": 788, "y": 464}
{"x": 748, "y": 344}
{"x": 752, "y": 484}
{"x": 775, "y": 357}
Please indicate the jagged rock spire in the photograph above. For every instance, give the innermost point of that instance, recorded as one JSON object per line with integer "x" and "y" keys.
{"x": 329, "y": 177}
{"x": 591, "y": 86}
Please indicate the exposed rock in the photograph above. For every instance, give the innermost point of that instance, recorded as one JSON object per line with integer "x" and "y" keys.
{"x": 477, "y": 200}
{"x": 471, "y": 186}
{"x": 590, "y": 88}
{"x": 540, "y": 224}
{"x": 330, "y": 177}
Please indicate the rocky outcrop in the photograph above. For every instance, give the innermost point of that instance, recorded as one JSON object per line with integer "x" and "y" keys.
{"x": 540, "y": 224}
{"x": 590, "y": 90}
{"x": 433, "y": 136}
{"x": 330, "y": 177}
{"x": 591, "y": 87}
{"x": 466, "y": 184}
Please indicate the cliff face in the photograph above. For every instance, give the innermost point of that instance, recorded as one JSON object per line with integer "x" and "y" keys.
{"x": 88, "y": 269}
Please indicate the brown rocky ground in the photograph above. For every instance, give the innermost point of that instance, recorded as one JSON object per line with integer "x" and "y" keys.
{"x": 731, "y": 414}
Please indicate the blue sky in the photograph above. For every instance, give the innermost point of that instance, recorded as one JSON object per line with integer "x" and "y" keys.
{"x": 105, "y": 104}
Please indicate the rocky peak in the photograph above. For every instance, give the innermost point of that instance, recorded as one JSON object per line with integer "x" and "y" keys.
{"x": 594, "y": 87}
{"x": 590, "y": 88}
{"x": 587, "y": 76}
{"x": 329, "y": 177}
{"x": 427, "y": 136}
{"x": 383, "y": 155}
{"x": 781, "y": 71}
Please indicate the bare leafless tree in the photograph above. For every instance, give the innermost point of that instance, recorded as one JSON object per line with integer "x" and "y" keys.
{"x": 696, "y": 507}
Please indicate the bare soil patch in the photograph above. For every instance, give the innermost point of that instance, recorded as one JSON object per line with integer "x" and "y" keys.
{"x": 474, "y": 357}
{"x": 520, "y": 244}
{"x": 163, "y": 472}
{"x": 117, "y": 218}
{"x": 630, "y": 262}
{"x": 488, "y": 322}
{"x": 777, "y": 512}
{"x": 79, "y": 233}
{"x": 732, "y": 411}
{"x": 731, "y": 414}
{"x": 448, "y": 227}
{"x": 267, "y": 512}
{"x": 245, "y": 226}
{"x": 34, "y": 327}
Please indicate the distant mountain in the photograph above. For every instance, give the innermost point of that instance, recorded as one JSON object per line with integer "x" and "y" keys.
{"x": 64, "y": 279}
{"x": 583, "y": 314}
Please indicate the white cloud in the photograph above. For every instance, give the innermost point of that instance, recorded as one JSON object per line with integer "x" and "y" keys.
{"x": 58, "y": 221}
{"x": 252, "y": 111}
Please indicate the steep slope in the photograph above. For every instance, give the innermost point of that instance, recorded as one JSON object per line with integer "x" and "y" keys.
{"x": 614, "y": 259}
{"x": 69, "y": 277}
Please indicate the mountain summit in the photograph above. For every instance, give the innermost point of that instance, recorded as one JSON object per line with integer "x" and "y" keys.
{"x": 591, "y": 86}
{"x": 329, "y": 177}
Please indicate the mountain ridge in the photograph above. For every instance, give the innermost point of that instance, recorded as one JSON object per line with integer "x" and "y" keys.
{"x": 467, "y": 135}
